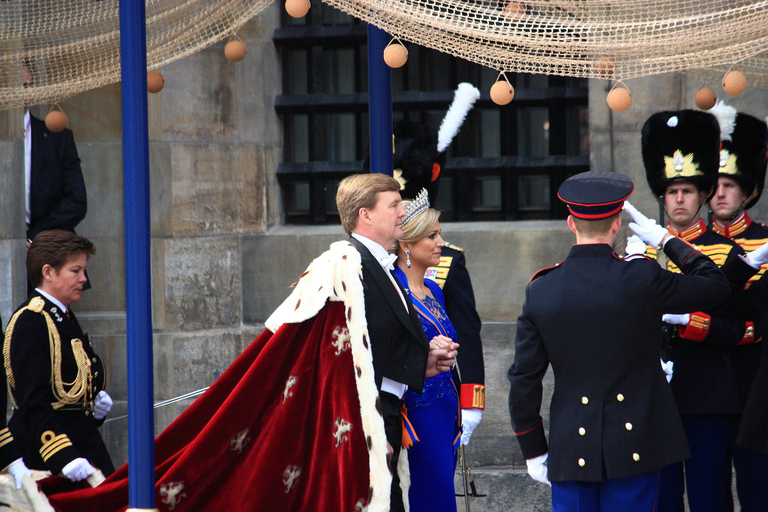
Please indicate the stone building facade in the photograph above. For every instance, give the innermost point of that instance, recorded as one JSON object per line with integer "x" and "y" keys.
{"x": 222, "y": 259}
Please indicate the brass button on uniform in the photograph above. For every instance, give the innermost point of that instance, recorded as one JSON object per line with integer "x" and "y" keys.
{"x": 582, "y": 462}
{"x": 636, "y": 457}
{"x": 94, "y": 360}
{"x": 584, "y": 400}
{"x": 95, "y": 374}
{"x": 582, "y": 431}
{"x": 628, "y": 425}
{"x": 620, "y": 397}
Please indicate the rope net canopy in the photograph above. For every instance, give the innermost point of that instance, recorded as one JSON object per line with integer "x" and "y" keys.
{"x": 617, "y": 39}
{"x": 53, "y": 49}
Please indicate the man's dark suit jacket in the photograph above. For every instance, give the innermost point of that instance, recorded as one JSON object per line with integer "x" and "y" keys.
{"x": 57, "y": 190}
{"x": 399, "y": 349}
{"x": 398, "y": 343}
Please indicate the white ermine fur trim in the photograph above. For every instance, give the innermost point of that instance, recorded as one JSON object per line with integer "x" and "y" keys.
{"x": 404, "y": 472}
{"x": 726, "y": 118}
{"x": 336, "y": 275}
{"x": 463, "y": 100}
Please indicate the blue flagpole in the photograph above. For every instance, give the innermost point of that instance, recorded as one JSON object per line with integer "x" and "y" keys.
{"x": 379, "y": 102}
{"x": 141, "y": 422}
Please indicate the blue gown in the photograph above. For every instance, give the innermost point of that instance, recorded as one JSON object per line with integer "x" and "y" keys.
{"x": 435, "y": 416}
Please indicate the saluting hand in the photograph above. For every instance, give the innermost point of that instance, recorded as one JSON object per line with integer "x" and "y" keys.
{"x": 442, "y": 351}
{"x": 647, "y": 229}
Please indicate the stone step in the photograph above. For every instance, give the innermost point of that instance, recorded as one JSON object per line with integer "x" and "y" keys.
{"x": 506, "y": 489}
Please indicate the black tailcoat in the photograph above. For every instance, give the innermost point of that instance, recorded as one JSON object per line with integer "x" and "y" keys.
{"x": 57, "y": 193}
{"x": 596, "y": 319}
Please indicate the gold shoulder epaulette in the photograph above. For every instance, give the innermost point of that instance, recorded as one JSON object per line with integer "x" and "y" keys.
{"x": 36, "y": 304}
{"x": 454, "y": 247}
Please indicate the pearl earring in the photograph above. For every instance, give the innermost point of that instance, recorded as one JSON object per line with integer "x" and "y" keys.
{"x": 408, "y": 259}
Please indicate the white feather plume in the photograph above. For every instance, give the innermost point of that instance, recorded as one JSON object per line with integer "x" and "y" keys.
{"x": 726, "y": 118}
{"x": 463, "y": 100}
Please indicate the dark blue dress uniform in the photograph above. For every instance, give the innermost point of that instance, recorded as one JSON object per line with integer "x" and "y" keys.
{"x": 750, "y": 463}
{"x": 596, "y": 319}
{"x": 684, "y": 146}
{"x": 54, "y": 376}
{"x": 750, "y": 302}
{"x": 452, "y": 276}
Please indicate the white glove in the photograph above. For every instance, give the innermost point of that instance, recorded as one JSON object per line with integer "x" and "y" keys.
{"x": 647, "y": 229}
{"x": 758, "y": 257}
{"x": 676, "y": 319}
{"x": 19, "y": 470}
{"x": 537, "y": 468}
{"x": 667, "y": 367}
{"x": 78, "y": 469}
{"x": 102, "y": 405}
{"x": 469, "y": 420}
{"x": 635, "y": 247}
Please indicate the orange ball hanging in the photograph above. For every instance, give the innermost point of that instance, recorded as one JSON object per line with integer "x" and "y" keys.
{"x": 605, "y": 65}
{"x": 734, "y": 83}
{"x": 502, "y": 92}
{"x": 297, "y": 8}
{"x": 155, "y": 82}
{"x": 619, "y": 99}
{"x": 56, "y": 121}
{"x": 395, "y": 55}
{"x": 234, "y": 50}
{"x": 705, "y": 98}
{"x": 514, "y": 10}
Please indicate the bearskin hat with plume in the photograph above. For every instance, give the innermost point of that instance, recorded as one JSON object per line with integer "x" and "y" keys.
{"x": 420, "y": 149}
{"x": 681, "y": 145}
{"x": 743, "y": 152}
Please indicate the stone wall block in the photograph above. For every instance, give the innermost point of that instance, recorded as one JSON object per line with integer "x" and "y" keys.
{"x": 202, "y": 283}
{"x": 217, "y": 189}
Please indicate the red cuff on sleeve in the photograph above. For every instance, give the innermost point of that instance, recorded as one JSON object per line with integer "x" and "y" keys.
{"x": 472, "y": 396}
{"x": 697, "y": 328}
{"x": 749, "y": 334}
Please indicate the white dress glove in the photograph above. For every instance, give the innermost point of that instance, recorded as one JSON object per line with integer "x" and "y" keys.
{"x": 668, "y": 368}
{"x": 469, "y": 420}
{"x": 647, "y": 229}
{"x": 102, "y": 405}
{"x": 78, "y": 469}
{"x": 758, "y": 257}
{"x": 19, "y": 470}
{"x": 635, "y": 247}
{"x": 676, "y": 319}
{"x": 537, "y": 468}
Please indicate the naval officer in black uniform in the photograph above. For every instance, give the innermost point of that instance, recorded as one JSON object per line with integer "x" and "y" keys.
{"x": 55, "y": 378}
{"x": 596, "y": 319}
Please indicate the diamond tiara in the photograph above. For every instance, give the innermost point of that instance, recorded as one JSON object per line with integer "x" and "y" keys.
{"x": 419, "y": 204}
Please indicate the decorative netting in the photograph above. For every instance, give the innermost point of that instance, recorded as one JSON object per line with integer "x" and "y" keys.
{"x": 617, "y": 39}
{"x": 54, "y": 49}
{"x": 72, "y": 46}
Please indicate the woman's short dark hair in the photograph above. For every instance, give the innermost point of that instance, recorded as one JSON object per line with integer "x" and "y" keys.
{"x": 54, "y": 248}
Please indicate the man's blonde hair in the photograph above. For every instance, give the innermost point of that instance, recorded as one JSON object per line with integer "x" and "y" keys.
{"x": 594, "y": 227}
{"x": 361, "y": 191}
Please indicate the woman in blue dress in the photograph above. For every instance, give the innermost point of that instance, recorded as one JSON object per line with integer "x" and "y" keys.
{"x": 434, "y": 414}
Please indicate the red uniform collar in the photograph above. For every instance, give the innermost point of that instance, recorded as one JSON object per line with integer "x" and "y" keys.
{"x": 689, "y": 234}
{"x": 735, "y": 228}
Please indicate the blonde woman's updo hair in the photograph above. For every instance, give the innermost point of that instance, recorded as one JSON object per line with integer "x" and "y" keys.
{"x": 418, "y": 227}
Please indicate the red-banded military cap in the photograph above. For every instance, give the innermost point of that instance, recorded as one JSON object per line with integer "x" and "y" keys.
{"x": 595, "y": 195}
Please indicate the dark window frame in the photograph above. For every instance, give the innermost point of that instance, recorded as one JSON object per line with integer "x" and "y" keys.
{"x": 321, "y": 176}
